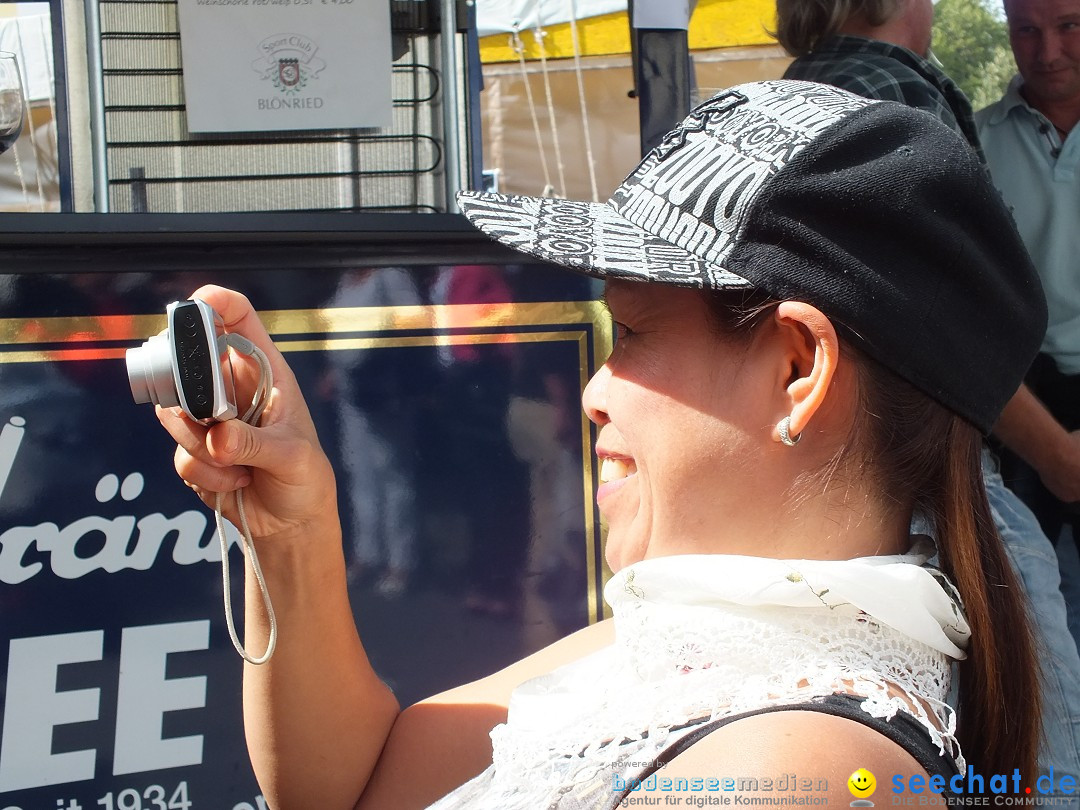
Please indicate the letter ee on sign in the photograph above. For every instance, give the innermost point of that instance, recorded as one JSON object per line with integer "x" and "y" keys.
{"x": 33, "y": 706}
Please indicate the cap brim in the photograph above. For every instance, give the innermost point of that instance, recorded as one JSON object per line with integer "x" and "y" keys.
{"x": 591, "y": 238}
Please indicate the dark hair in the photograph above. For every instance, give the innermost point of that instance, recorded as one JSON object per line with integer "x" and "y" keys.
{"x": 923, "y": 456}
{"x": 919, "y": 448}
{"x": 802, "y": 24}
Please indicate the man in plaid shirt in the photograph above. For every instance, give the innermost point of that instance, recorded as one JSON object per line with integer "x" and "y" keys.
{"x": 873, "y": 48}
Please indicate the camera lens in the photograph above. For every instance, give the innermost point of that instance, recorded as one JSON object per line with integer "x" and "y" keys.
{"x": 150, "y": 374}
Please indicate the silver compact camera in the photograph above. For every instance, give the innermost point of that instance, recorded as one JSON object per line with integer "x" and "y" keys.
{"x": 187, "y": 365}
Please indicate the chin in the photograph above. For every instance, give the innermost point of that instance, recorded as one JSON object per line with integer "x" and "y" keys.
{"x": 618, "y": 556}
{"x": 614, "y": 562}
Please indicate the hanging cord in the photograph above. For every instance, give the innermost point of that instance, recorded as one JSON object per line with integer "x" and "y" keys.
{"x": 29, "y": 123}
{"x": 539, "y": 34}
{"x": 52, "y": 134}
{"x": 518, "y": 47}
{"x": 19, "y": 173}
{"x": 581, "y": 101}
{"x": 258, "y": 405}
{"x": 15, "y": 143}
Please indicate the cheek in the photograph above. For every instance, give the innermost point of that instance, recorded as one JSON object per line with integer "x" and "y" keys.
{"x": 1023, "y": 53}
{"x": 705, "y": 459}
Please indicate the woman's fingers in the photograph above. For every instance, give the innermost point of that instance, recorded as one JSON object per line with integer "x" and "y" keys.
{"x": 218, "y": 458}
{"x": 188, "y": 434}
{"x": 288, "y": 481}
{"x": 198, "y": 473}
{"x": 237, "y": 312}
{"x": 278, "y": 449}
{"x": 194, "y": 461}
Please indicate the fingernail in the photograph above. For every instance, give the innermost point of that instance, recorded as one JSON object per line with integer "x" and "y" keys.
{"x": 232, "y": 441}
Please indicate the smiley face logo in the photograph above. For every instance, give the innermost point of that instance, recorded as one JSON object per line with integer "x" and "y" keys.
{"x": 862, "y": 784}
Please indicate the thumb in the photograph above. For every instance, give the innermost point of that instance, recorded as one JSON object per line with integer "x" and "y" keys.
{"x": 235, "y": 442}
{"x": 274, "y": 449}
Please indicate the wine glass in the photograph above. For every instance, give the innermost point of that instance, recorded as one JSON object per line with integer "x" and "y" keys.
{"x": 12, "y": 102}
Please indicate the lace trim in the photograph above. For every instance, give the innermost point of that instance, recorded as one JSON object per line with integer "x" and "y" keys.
{"x": 670, "y": 679}
{"x": 701, "y": 638}
{"x": 692, "y": 646}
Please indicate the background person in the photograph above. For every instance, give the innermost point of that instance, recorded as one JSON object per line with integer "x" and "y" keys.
{"x": 1034, "y": 153}
{"x": 874, "y": 48}
{"x": 376, "y": 422}
{"x": 760, "y": 475}
{"x": 1034, "y": 161}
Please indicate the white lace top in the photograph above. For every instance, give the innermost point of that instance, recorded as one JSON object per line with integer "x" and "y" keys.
{"x": 699, "y": 637}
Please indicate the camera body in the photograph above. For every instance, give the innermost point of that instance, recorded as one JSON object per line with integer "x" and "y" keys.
{"x": 187, "y": 365}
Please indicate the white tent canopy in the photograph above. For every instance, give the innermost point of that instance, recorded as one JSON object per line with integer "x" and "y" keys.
{"x": 503, "y": 16}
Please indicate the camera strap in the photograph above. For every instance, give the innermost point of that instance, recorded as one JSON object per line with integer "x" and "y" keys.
{"x": 251, "y": 417}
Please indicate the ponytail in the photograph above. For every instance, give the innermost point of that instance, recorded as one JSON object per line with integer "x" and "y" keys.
{"x": 999, "y": 691}
{"x": 936, "y": 457}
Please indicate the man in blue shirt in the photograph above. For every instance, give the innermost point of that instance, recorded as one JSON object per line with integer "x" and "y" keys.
{"x": 1034, "y": 156}
{"x": 1034, "y": 159}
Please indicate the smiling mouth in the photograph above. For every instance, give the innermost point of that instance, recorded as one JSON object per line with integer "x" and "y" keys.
{"x": 615, "y": 469}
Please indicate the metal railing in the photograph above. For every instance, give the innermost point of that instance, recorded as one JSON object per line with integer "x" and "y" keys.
{"x": 155, "y": 165}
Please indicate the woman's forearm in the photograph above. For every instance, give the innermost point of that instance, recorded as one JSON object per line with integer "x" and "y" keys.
{"x": 316, "y": 715}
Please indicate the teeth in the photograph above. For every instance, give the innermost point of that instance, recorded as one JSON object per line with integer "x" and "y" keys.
{"x": 613, "y": 469}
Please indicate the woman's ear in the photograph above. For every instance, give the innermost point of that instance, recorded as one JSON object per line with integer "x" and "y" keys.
{"x": 813, "y": 351}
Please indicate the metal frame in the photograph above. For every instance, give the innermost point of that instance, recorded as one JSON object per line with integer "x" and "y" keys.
{"x": 662, "y": 81}
{"x": 63, "y": 134}
{"x": 127, "y": 242}
{"x": 436, "y": 135}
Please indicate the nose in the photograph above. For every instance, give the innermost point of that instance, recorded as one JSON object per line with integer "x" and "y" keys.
{"x": 594, "y": 397}
{"x": 1049, "y": 48}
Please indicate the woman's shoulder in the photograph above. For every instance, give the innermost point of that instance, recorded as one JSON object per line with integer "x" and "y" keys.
{"x": 443, "y": 741}
{"x": 822, "y": 750}
{"x": 498, "y": 687}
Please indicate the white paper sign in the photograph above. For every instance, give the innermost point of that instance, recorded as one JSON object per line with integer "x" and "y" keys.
{"x": 259, "y": 65}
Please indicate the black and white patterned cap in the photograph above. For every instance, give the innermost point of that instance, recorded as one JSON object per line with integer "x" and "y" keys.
{"x": 677, "y": 217}
{"x": 876, "y": 213}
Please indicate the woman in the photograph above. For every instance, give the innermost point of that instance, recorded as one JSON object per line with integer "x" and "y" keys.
{"x": 820, "y": 304}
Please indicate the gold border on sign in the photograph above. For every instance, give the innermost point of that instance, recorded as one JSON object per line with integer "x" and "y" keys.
{"x": 85, "y": 338}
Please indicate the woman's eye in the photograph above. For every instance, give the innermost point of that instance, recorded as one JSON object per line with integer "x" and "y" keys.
{"x": 622, "y": 331}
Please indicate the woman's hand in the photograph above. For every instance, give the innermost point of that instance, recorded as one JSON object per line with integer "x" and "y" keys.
{"x": 288, "y": 479}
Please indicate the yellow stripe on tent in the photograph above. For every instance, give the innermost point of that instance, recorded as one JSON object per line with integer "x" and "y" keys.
{"x": 715, "y": 24}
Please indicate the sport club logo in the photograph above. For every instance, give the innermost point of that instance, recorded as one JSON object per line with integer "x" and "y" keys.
{"x": 288, "y": 62}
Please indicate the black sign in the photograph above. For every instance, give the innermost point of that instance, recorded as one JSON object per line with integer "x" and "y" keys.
{"x": 448, "y": 399}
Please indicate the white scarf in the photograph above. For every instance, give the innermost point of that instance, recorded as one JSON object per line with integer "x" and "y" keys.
{"x": 706, "y": 636}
